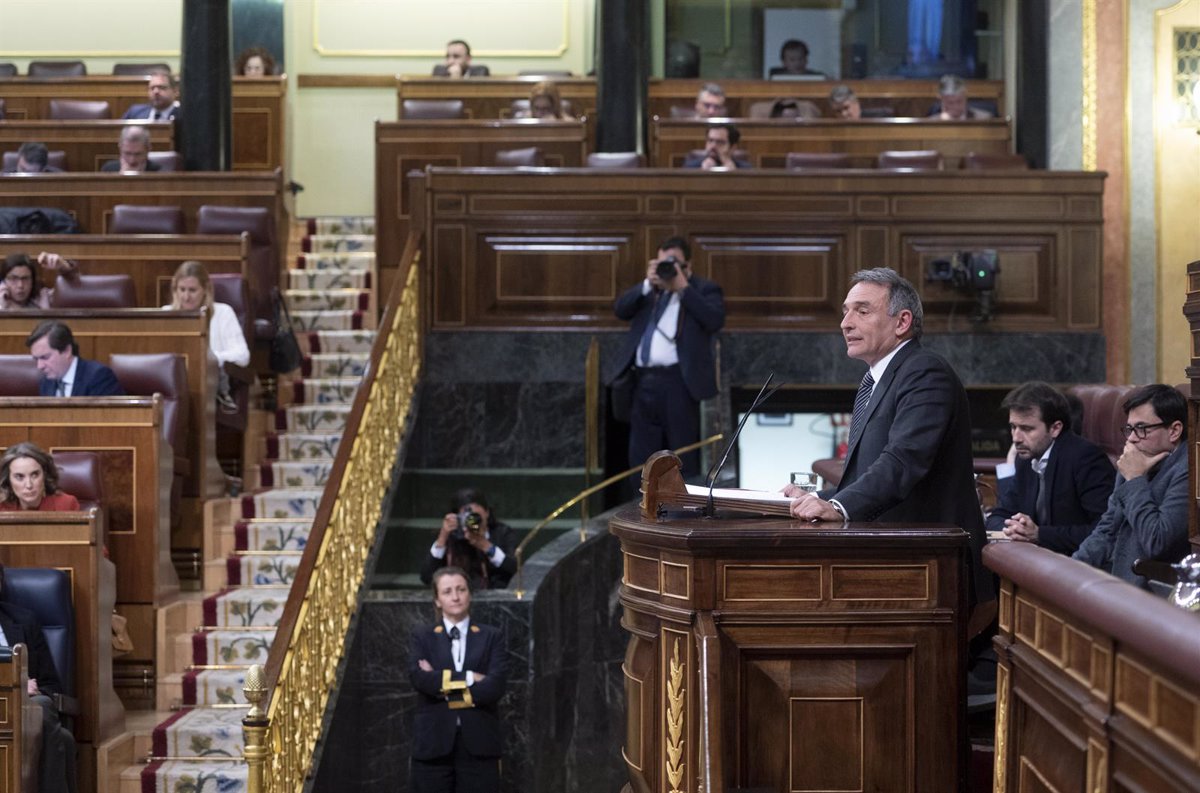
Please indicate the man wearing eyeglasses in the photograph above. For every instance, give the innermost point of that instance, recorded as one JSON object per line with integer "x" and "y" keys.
{"x": 1147, "y": 516}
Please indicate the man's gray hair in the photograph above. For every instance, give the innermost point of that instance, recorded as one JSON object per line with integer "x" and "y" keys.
{"x": 841, "y": 94}
{"x": 135, "y": 133}
{"x": 951, "y": 85}
{"x": 712, "y": 88}
{"x": 902, "y": 294}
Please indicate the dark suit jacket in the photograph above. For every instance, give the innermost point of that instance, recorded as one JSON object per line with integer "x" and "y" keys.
{"x": 502, "y": 537}
{"x": 701, "y": 315}
{"x": 474, "y": 70}
{"x": 91, "y": 379}
{"x": 435, "y": 722}
{"x": 21, "y": 627}
{"x": 142, "y": 111}
{"x": 911, "y": 462}
{"x": 114, "y": 166}
{"x": 1079, "y": 478}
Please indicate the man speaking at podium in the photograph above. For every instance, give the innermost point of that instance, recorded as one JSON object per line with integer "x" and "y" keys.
{"x": 909, "y": 457}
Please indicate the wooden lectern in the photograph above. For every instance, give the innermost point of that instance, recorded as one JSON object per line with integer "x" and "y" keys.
{"x": 767, "y": 654}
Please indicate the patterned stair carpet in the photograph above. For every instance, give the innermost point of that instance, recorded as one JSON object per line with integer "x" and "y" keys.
{"x": 329, "y": 301}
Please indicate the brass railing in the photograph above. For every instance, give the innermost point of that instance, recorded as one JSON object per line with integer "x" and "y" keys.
{"x": 302, "y": 665}
{"x": 580, "y": 496}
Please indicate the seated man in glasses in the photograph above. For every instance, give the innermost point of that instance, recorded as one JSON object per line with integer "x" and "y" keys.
{"x": 1147, "y": 516}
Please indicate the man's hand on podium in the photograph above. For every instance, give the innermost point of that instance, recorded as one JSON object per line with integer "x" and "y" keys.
{"x": 813, "y": 508}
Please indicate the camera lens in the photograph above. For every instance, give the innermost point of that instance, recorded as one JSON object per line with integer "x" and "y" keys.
{"x": 666, "y": 268}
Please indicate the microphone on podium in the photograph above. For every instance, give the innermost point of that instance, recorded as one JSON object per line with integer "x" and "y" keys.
{"x": 763, "y": 395}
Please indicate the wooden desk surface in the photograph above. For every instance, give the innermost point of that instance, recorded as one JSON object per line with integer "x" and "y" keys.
{"x": 259, "y": 106}
{"x": 552, "y": 249}
{"x": 767, "y": 142}
{"x": 88, "y": 144}
{"x": 150, "y": 258}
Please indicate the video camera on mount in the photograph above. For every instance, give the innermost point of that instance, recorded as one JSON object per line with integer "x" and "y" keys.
{"x": 969, "y": 271}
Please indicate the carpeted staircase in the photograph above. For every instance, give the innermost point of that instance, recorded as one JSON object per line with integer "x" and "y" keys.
{"x": 252, "y": 559}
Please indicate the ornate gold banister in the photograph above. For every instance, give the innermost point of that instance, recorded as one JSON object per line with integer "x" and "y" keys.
{"x": 302, "y": 665}
{"x": 580, "y": 496}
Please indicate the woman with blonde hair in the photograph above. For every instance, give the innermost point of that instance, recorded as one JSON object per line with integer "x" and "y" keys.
{"x": 545, "y": 103}
{"x": 191, "y": 289}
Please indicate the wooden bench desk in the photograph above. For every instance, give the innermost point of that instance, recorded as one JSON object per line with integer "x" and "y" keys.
{"x": 102, "y": 333}
{"x": 407, "y": 145}
{"x": 87, "y": 144}
{"x": 20, "y": 722}
{"x": 259, "y": 106}
{"x": 553, "y": 248}
{"x": 136, "y": 462}
{"x": 767, "y": 142}
{"x": 150, "y": 258}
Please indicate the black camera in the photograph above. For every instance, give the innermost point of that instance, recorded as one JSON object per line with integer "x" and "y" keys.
{"x": 969, "y": 271}
{"x": 468, "y": 521}
{"x": 666, "y": 268}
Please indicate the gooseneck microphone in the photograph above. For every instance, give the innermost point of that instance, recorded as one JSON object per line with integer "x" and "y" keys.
{"x": 763, "y": 395}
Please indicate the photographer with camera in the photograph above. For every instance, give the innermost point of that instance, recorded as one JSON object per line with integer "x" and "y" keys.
{"x": 669, "y": 349}
{"x": 472, "y": 538}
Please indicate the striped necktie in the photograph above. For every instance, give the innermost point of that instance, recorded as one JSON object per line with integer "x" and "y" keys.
{"x": 860, "y": 404}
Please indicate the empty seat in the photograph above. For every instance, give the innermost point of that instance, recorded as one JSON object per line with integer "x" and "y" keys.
{"x": 18, "y": 376}
{"x": 432, "y": 108}
{"x": 1102, "y": 415}
{"x": 144, "y": 219}
{"x": 55, "y": 159}
{"x": 918, "y": 160}
{"x": 808, "y": 160}
{"x": 262, "y": 263}
{"x": 134, "y": 69}
{"x": 79, "y": 475}
{"x": 615, "y": 159}
{"x": 976, "y": 161}
{"x": 514, "y": 158}
{"x": 147, "y": 374}
{"x": 57, "y": 69}
{"x": 167, "y": 160}
{"x": 94, "y": 291}
{"x": 64, "y": 109}
{"x": 8, "y": 70}
{"x": 46, "y": 591}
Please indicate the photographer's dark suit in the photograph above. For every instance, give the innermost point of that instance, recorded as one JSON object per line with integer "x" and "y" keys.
{"x": 1078, "y": 481}
{"x": 911, "y": 462}
{"x": 666, "y": 400}
{"x": 483, "y": 574}
{"x": 457, "y": 747}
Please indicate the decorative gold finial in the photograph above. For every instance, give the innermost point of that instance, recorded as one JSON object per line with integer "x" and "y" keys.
{"x": 255, "y": 689}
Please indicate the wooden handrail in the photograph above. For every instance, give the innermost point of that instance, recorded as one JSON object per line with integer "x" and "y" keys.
{"x": 322, "y": 613}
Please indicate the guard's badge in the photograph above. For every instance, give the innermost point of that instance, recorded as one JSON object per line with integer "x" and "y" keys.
{"x": 439, "y": 629}
{"x": 474, "y": 629}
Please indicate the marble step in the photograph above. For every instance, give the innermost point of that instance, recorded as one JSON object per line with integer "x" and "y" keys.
{"x": 312, "y": 418}
{"x": 328, "y": 278}
{"x": 337, "y": 243}
{"x": 304, "y": 321}
{"x": 331, "y": 225}
{"x": 323, "y": 300}
{"x": 359, "y": 260}
{"x": 282, "y": 503}
{"x": 330, "y": 341}
{"x": 335, "y": 365}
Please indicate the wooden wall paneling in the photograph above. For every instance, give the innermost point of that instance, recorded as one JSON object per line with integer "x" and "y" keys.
{"x": 781, "y": 244}
{"x": 259, "y": 106}
{"x": 407, "y": 145}
{"x": 150, "y": 258}
{"x": 72, "y": 541}
{"x": 102, "y": 333}
{"x": 766, "y": 142}
{"x": 88, "y": 144}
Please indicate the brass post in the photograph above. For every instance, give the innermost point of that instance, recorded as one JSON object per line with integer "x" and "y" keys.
{"x": 254, "y": 728}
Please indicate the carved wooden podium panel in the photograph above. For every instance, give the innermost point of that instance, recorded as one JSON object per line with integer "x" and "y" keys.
{"x": 770, "y": 654}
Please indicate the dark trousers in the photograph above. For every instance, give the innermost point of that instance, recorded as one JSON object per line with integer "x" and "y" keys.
{"x": 458, "y": 772}
{"x": 56, "y": 767}
{"x": 664, "y": 416}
